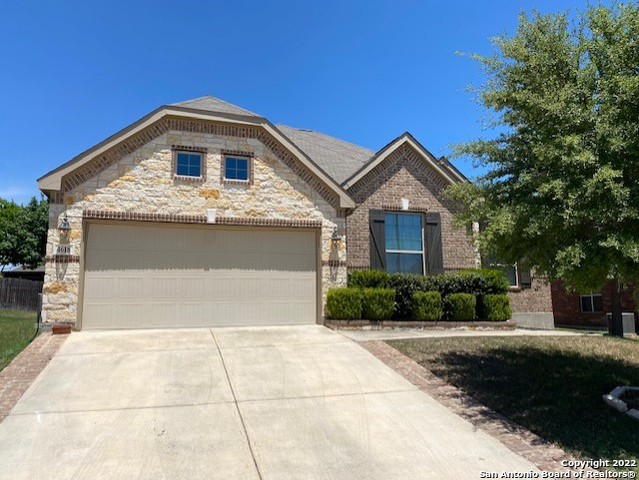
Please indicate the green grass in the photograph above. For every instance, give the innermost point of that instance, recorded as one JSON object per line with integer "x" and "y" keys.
{"x": 17, "y": 328}
{"x": 550, "y": 385}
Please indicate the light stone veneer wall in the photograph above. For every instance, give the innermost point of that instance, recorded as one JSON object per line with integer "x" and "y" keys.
{"x": 143, "y": 182}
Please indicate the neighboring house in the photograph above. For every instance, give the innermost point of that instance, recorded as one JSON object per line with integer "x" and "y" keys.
{"x": 573, "y": 309}
{"x": 203, "y": 213}
{"x": 36, "y": 274}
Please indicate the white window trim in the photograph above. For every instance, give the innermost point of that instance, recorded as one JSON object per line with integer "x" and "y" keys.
{"x": 187, "y": 177}
{"x": 516, "y": 286}
{"x": 421, "y": 252}
{"x": 248, "y": 169}
{"x": 592, "y": 296}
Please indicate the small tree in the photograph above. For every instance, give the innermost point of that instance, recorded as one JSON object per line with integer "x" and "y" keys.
{"x": 562, "y": 188}
{"x": 23, "y": 232}
{"x": 9, "y": 215}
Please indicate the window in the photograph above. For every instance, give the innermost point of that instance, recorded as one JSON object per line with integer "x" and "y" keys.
{"x": 516, "y": 278}
{"x": 591, "y": 302}
{"x": 510, "y": 271}
{"x": 236, "y": 168}
{"x": 188, "y": 164}
{"x": 404, "y": 243}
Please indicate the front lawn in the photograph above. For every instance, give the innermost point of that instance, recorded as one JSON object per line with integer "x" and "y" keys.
{"x": 550, "y": 385}
{"x": 17, "y": 328}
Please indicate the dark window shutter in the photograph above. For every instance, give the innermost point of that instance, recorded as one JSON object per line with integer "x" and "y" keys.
{"x": 378, "y": 239}
{"x": 525, "y": 280}
{"x": 433, "y": 233}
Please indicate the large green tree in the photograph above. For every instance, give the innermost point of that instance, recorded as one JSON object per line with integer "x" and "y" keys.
{"x": 23, "y": 232}
{"x": 561, "y": 190}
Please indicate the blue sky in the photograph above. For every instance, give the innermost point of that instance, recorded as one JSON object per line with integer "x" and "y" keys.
{"x": 74, "y": 72}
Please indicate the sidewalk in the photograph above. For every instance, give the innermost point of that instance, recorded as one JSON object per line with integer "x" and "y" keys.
{"x": 367, "y": 334}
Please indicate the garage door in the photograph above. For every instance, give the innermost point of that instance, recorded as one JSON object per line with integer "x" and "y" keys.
{"x": 167, "y": 276}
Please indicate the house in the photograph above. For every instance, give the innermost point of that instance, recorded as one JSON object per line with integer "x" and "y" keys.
{"x": 588, "y": 310}
{"x": 35, "y": 274}
{"x": 202, "y": 213}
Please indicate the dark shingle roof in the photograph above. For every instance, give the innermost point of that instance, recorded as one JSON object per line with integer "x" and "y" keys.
{"x": 212, "y": 104}
{"x": 336, "y": 157}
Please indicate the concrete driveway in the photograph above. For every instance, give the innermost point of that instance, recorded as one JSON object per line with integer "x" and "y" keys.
{"x": 249, "y": 403}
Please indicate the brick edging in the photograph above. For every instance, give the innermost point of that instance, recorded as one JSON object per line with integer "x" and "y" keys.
{"x": 16, "y": 377}
{"x": 545, "y": 455}
{"x": 199, "y": 219}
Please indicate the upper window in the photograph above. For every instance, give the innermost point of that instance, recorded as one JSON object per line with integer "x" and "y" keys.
{"x": 591, "y": 302}
{"x": 404, "y": 243}
{"x": 236, "y": 168}
{"x": 188, "y": 164}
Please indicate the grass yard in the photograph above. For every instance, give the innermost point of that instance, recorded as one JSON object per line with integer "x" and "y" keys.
{"x": 550, "y": 385}
{"x": 17, "y": 328}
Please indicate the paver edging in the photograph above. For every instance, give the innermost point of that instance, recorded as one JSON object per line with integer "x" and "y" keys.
{"x": 16, "y": 377}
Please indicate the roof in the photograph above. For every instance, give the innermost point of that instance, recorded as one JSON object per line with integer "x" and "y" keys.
{"x": 336, "y": 157}
{"x": 440, "y": 165}
{"x": 337, "y": 163}
{"x": 204, "y": 108}
{"x": 212, "y": 104}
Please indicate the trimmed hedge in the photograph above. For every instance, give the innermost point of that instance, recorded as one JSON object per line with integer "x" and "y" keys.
{"x": 344, "y": 303}
{"x": 460, "y": 307}
{"x": 367, "y": 279}
{"x": 405, "y": 286}
{"x": 494, "y": 308}
{"x": 378, "y": 303}
{"x": 427, "y": 306}
{"x": 478, "y": 282}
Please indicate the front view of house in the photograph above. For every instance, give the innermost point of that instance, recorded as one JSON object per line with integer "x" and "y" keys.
{"x": 205, "y": 214}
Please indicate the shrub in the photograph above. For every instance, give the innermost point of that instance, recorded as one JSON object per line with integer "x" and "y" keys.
{"x": 496, "y": 281}
{"x": 405, "y": 286}
{"x": 478, "y": 282}
{"x": 344, "y": 303}
{"x": 427, "y": 306}
{"x": 367, "y": 279}
{"x": 460, "y": 307}
{"x": 494, "y": 308}
{"x": 378, "y": 303}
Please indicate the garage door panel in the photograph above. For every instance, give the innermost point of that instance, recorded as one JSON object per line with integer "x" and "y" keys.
{"x": 158, "y": 276}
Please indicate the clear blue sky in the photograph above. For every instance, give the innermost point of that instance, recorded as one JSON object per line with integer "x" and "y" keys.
{"x": 75, "y": 72}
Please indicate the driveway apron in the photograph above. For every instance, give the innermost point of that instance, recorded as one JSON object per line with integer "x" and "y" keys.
{"x": 248, "y": 403}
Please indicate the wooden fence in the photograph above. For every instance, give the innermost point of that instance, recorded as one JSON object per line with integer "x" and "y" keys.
{"x": 19, "y": 294}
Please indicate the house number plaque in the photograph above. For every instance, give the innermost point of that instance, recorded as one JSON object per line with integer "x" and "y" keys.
{"x": 64, "y": 250}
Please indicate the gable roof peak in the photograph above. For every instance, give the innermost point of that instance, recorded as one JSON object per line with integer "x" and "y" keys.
{"x": 208, "y": 103}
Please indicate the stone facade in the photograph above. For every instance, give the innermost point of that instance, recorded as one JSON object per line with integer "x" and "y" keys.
{"x": 567, "y": 306}
{"x": 404, "y": 174}
{"x": 142, "y": 180}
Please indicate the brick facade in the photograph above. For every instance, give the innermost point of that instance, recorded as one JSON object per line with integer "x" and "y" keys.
{"x": 566, "y": 306}
{"x": 534, "y": 299}
{"x": 404, "y": 174}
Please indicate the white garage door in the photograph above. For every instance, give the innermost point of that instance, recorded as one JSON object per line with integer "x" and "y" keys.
{"x": 168, "y": 276}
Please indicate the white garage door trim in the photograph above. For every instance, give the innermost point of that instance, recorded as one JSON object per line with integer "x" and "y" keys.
{"x": 301, "y": 236}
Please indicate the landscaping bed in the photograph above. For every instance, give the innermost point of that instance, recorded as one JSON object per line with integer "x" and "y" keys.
{"x": 550, "y": 385}
{"x": 17, "y": 329}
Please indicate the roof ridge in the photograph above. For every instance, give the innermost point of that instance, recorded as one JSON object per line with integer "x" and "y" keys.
{"x": 227, "y": 106}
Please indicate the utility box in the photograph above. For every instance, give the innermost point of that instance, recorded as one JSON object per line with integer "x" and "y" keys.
{"x": 627, "y": 324}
